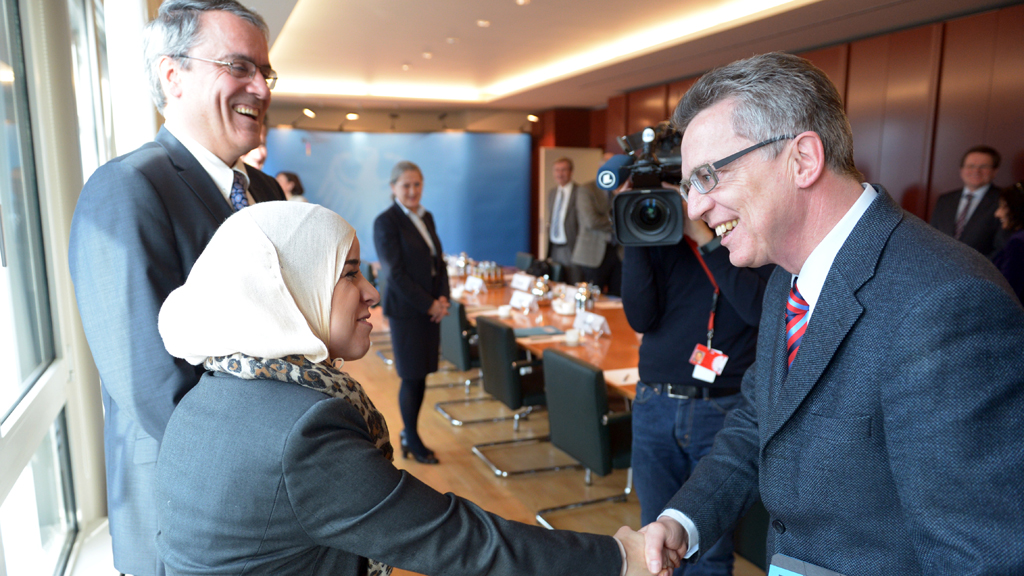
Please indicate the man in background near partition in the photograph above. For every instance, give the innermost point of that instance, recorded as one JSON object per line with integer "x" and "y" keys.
{"x": 143, "y": 219}
{"x": 969, "y": 214}
{"x": 879, "y": 422}
{"x": 562, "y": 223}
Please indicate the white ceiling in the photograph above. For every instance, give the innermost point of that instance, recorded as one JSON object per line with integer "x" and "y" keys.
{"x": 547, "y": 53}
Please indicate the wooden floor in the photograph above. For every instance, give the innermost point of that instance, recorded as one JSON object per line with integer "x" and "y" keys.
{"x": 460, "y": 471}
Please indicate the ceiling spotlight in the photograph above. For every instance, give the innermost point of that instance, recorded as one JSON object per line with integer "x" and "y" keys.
{"x": 309, "y": 113}
{"x": 405, "y": 67}
{"x": 428, "y": 55}
{"x": 483, "y": 23}
{"x": 532, "y": 118}
{"x": 451, "y": 40}
{"x": 522, "y": 2}
{"x": 351, "y": 116}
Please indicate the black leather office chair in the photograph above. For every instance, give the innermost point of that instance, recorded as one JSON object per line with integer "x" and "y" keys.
{"x": 514, "y": 379}
{"x": 582, "y": 426}
{"x": 459, "y": 347}
{"x": 523, "y": 260}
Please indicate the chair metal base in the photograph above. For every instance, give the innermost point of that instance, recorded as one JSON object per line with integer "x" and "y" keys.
{"x": 468, "y": 383}
{"x": 387, "y": 355}
{"x": 440, "y": 407}
{"x": 478, "y": 450}
{"x": 587, "y": 478}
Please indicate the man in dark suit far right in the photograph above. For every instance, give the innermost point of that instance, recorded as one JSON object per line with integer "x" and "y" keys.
{"x": 140, "y": 224}
{"x": 880, "y": 422}
{"x": 969, "y": 214}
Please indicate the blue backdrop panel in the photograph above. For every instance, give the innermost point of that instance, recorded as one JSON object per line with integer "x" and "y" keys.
{"x": 476, "y": 185}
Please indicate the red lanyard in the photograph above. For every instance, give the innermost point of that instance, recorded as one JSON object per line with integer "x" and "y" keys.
{"x": 714, "y": 298}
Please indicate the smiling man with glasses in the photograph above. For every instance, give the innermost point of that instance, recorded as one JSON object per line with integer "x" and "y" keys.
{"x": 141, "y": 222}
{"x": 876, "y": 422}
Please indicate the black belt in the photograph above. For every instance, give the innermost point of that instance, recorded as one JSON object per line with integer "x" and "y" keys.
{"x": 682, "y": 392}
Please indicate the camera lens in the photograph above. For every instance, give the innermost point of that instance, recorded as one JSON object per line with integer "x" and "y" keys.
{"x": 650, "y": 215}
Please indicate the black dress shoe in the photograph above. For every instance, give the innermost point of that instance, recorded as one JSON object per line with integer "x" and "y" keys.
{"x": 420, "y": 453}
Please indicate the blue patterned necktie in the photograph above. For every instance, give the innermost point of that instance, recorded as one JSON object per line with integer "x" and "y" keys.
{"x": 237, "y": 196}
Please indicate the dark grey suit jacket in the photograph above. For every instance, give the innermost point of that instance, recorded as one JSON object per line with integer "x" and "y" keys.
{"x": 140, "y": 223}
{"x": 893, "y": 445}
{"x": 265, "y": 477}
{"x": 981, "y": 231}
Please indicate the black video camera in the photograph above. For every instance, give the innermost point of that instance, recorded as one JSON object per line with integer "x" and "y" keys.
{"x": 648, "y": 215}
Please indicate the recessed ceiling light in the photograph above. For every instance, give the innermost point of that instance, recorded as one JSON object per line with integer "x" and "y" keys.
{"x": 351, "y": 116}
{"x": 427, "y": 55}
{"x": 309, "y": 113}
{"x": 452, "y": 40}
{"x": 405, "y": 67}
{"x": 522, "y": 2}
{"x": 532, "y": 118}
{"x": 483, "y": 23}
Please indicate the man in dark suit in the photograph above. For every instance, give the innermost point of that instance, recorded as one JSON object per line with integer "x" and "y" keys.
{"x": 969, "y": 214}
{"x": 594, "y": 252}
{"x": 562, "y": 223}
{"x": 143, "y": 219}
{"x": 879, "y": 421}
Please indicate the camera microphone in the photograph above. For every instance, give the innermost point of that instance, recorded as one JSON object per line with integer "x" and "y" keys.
{"x": 614, "y": 172}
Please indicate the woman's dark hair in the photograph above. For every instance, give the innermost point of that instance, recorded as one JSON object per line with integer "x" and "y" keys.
{"x": 294, "y": 179}
{"x": 1014, "y": 198}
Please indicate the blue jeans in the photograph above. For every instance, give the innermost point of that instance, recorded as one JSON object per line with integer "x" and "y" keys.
{"x": 669, "y": 437}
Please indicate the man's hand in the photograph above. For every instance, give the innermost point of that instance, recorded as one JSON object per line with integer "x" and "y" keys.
{"x": 439, "y": 309}
{"x": 665, "y": 538}
{"x": 633, "y": 543}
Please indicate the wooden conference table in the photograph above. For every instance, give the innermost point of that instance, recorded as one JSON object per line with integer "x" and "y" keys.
{"x": 618, "y": 354}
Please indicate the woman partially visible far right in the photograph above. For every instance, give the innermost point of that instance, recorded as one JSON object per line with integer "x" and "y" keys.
{"x": 1010, "y": 260}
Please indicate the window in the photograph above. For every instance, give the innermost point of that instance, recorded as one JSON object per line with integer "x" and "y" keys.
{"x": 37, "y": 516}
{"x": 37, "y": 512}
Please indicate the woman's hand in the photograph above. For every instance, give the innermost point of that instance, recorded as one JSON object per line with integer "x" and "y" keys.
{"x": 439, "y": 309}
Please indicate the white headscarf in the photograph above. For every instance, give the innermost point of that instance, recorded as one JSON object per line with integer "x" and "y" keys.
{"x": 262, "y": 287}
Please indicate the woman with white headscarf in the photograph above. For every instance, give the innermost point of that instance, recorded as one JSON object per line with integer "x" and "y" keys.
{"x": 277, "y": 462}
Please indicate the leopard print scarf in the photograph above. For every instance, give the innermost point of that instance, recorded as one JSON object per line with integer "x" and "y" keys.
{"x": 324, "y": 377}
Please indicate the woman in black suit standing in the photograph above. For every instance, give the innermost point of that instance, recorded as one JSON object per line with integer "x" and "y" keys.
{"x": 415, "y": 296}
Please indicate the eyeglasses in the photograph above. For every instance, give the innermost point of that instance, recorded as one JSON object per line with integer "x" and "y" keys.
{"x": 242, "y": 69}
{"x": 705, "y": 177}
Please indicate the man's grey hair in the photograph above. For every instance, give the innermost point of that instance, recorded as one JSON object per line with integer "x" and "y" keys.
{"x": 403, "y": 167}
{"x": 176, "y": 30}
{"x": 776, "y": 94}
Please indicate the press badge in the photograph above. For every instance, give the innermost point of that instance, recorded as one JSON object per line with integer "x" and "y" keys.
{"x": 707, "y": 363}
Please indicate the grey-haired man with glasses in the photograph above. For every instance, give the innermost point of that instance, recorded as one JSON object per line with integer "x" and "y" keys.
{"x": 880, "y": 420}
{"x": 143, "y": 219}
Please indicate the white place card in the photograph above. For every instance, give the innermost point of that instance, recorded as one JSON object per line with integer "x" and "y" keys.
{"x": 590, "y": 323}
{"x": 522, "y": 281}
{"x": 474, "y": 285}
{"x": 522, "y": 300}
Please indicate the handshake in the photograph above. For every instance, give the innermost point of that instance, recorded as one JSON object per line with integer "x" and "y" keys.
{"x": 657, "y": 548}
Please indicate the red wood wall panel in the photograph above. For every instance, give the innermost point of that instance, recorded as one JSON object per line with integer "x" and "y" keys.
{"x": 676, "y": 90}
{"x": 981, "y": 96}
{"x": 598, "y": 128}
{"x": 891, "y": 99}
{"x": 646, "y": 108}
{"x": 833, "y": 61}
{"x": 615, "y": 123}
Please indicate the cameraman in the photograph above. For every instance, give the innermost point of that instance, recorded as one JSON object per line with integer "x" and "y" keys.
{"x": 667, "y": 295}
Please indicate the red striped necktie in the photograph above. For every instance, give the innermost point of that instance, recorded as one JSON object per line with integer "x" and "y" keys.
{"x": 796, "y": 322}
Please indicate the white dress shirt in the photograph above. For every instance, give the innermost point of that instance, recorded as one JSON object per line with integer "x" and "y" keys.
{"x": 417, "y": 221}
{"x": 812, "y": 279}
{"x": 562, "y": 203}
{"x": 223, "y": 175}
